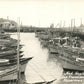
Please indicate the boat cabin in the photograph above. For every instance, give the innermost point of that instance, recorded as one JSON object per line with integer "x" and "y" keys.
{"x": 76, "y": 42}
{"x": 66, "y": 41}
{"x": 60, "y": 41}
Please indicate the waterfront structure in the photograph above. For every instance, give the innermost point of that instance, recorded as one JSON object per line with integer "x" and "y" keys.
{"x": 7, "y": 24}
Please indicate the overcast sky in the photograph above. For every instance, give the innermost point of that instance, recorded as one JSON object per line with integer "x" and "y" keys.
{"x": 43, "y": 12}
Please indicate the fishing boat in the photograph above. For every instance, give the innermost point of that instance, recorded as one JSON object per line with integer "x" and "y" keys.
{"x": 4, "y": 36}
{"x": 8, "y": 74}
{"x": 11, "y": 57}
{"x": 7, "y": 41}
{"x": 9, "y": 52}
{"x": 12, "y": 69}
{"x": 69, "y": 64}
{"x": 67, "y": 54}
{"x": 13, "y": 63}
{"x": 6, "y": 48}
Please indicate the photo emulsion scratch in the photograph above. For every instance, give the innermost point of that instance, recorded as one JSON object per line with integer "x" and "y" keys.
{"x": 41, "y": 42}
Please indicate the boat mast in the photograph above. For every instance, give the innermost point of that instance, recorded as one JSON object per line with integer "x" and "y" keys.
{"x": 74, "y": 23}
{"x": 18, "y": 62}
{"x": 71, "y": 26}
{"x": 81, "y": 22}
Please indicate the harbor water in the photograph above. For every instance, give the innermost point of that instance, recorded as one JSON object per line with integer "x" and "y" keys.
{"x": 43, "y": 67}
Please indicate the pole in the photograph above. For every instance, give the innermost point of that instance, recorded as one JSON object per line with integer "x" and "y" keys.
{"x": 71, "y": 24}
{"x": 81, "y": 22}
{"x": 74, "y": 23}
{"x": 18, "y": 42}
{"x": 64, "y": 24}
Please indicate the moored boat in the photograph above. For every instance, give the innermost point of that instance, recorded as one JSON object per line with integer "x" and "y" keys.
{"x": 4, "y": 36}
{"x": 67, "y": 54}
{"x": 12, "y": 69}
{"x": 7, "y": 41}
{"x": 10, "y": 57}
{"x": 8, "y": 74}
{"x": 9, "y": 52}
{"x": 12, "y": 64}
{"x": 5, "y": 48}
{"x": 69, "y": 64}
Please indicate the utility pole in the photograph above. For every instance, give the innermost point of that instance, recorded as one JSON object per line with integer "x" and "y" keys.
{"x": 74, "y": 23}
{"x": 18, "y": 42}
{"x": 81, "y": 22}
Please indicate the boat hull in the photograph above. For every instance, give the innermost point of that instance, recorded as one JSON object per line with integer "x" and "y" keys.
{"x": 7, "y": 53}
{"x": 69, "y": 65}
{"x": 23, "y": 64}
{"x": 10, "y": 57}
{"x": 68, "y": 61}
{"x": 10, "y": 74}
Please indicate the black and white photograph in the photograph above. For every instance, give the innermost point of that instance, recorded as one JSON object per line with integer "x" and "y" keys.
{"x": 41, "y": 41}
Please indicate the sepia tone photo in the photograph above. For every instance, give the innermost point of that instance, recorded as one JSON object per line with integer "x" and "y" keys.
{"x": 41, "y": 42}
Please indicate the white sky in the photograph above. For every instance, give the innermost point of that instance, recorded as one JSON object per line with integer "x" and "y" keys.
{"x": 42, "y": 12}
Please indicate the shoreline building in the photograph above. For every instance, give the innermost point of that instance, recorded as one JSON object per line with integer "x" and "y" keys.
{"x": 7, "y": 24}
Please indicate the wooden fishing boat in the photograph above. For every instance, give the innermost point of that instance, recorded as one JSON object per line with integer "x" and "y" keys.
{"x": 7, "y": 41}
{"x": 13, "y": 63}
{"x": 5, "y": 48}
{"x": 68, "y": 55}
{"x": 10, "y": 57}
{"x": 8, "y": 74}
{"x": 4, "y": 36}
{"x": 9, "y": 52}
{"x": 70, "y": 64}
{"x": 8, "y": 47}
{"x": 9, "y": 71}
{"x": 13, "y": 68}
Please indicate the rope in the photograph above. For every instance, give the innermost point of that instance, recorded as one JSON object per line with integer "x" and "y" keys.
{"x": 38, "y": 68}
{"x": 38, "y": 73}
